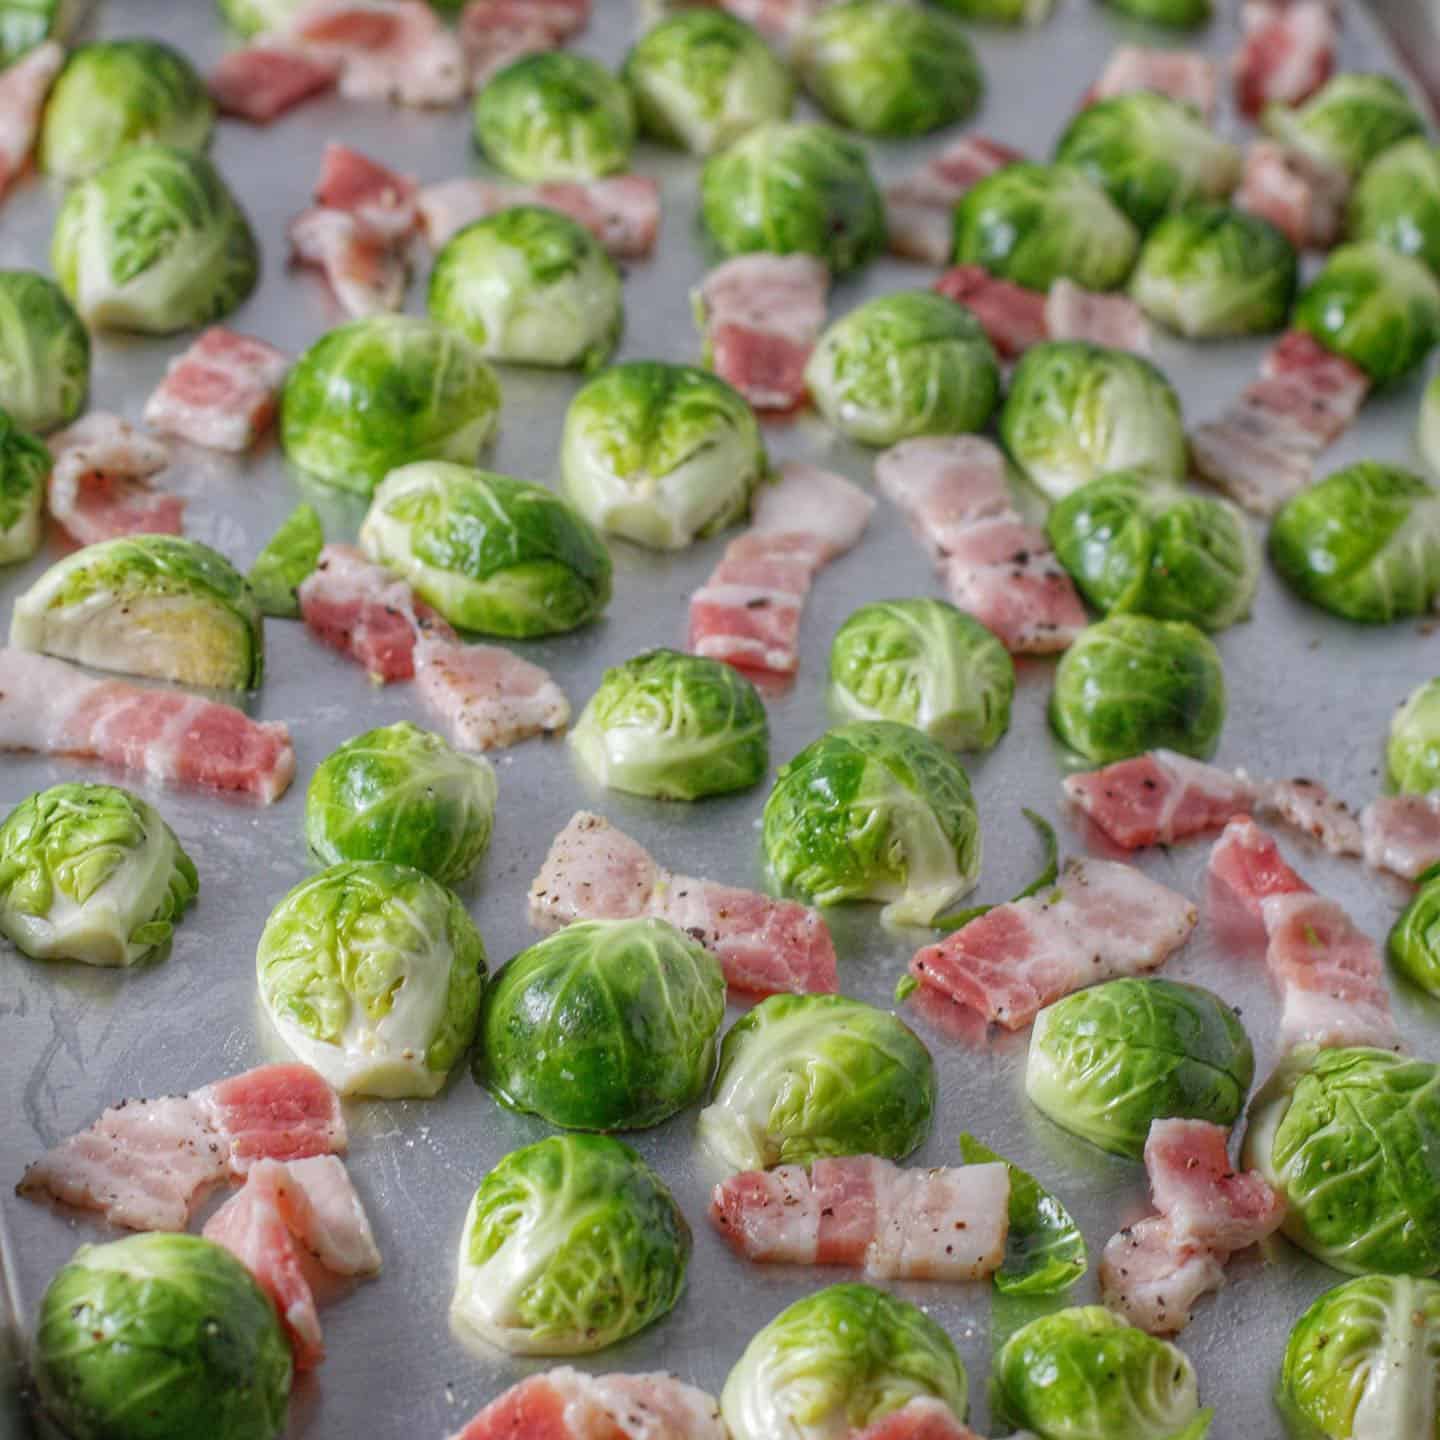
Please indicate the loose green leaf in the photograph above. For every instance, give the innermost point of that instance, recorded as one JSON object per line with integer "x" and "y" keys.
{"x": 286, "y": 561}
{"x": 1046, "y": 877}
{"x": 905, "y": 987}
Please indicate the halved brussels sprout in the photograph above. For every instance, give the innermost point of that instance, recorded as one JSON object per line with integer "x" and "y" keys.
{"x": 44, "y": 352}
{"x": 491, "y": 554}
{"x": 912, "y": 363}
{"x": 1414, "y": 943}
{"x": 569, "y": 1246}
{"x": 805, "y": 1076}
{"x": 1413, "y": 753}
{"x": 1002, "y": 12}
{"x": 661, "y": 454}
{"x": 1349, "y": 122}
{"x": 794, "y": 189}
{"x": 289, "y": 557}
{"x": 155, "y": 605}
{"x": 24, "y": 24}
{"x": 384, "y": 392}
{"x": 24, "y": 468}
{"x": 250, "y": 17}
{"x": 1396, "y": 201}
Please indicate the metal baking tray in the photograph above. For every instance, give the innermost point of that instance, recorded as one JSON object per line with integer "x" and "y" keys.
{"x": 1309, "y": 694}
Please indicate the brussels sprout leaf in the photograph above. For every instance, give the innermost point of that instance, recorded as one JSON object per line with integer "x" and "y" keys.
{"x": 1046, "y": 877}
{"x": 286, "y": 560}
{"x": 905, "y": 987}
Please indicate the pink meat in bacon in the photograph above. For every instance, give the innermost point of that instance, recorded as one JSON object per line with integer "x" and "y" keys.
{"x": 1114, "y": 321}
{"x": 1158, "y": 798}
{"x": 1321, "y": 391}
{"x": 1298, "y": 194}
{"x": 1012, "y": 316}
{"x": 1401, "y": 833}
{"x": 487, "y": 696}
{"x": 221, "y": 393}
{"x": 367, "y": 275}
{"x": 381, "y": 199}
{"x": 268, "y": 80}
{"x": 919, "y": 209}
{"x": 99, "y": 487}
{"x": 1288, "y": 53}
{"x": 1183, "y": 75}
{"x": 493, "y": 33}
{"x": 922, "y": 1419}
{"x": 1246, "y": 867}
{"x": 24, "y": 85}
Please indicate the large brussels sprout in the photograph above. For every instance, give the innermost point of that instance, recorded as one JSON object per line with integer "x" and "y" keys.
{"x": 838, "y": 1362}
{"x": 491, "y": 554}
{"x": 1349, "y": 122}
{"x": 1106, "y": 1061}
{"x": 605, "y": 1025}
{"x": 160, "y": 1337}
{"x": 1077, "y": 411}
{"x": 1414, "y": 943}
{"x": 155, "y": 605}
{"x": 569, "y": 1245}
{"x": 805, "y": 1076}
{"x": 250, "y": 17}
{"x": 287, "y": 560}
{"x": 383, "y": 392}
{"x": 1396, "y": 202}
{"x": 402, "y": 794}
{"x": 372, "y": 973}
{"x": 24, "y": 468}
{"x": 912, "y": 363}
{"x": 661, "y": 454}
{"x": 794, "y": 189}
{"x": 1364, "y": 543}
{"x": 875, "y": 811}
{"x": 1413, "y": 753}
{"x": 24, "y": 24}
{"x": 44, "y": 352}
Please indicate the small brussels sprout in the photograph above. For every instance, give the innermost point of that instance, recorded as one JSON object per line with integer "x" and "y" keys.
{"x": 661, "y": 454}
{"x": 912, "y": 363}
{"x": 24, "y": 24}
{"x": 491, "y": 554}
{"x": 251, "y": 17}
{"x": 1396, "y": 202}
{"x": 287, "y": 560}
{"x": 1413, "y": 753}
{"x": 805, "y": 1076}
{"x": 701, "y": 79}
{"x": 402, "y": 794}
{"x": 792, "y": 189}
{"x": 838, "y": 1362}
{"x": 1363, "y": 544}
{"x": 1036, "y": 224}
{"x": 155, "y": 243}
{"x": 1002, "y": 12}
{"x": 155, "y": 605}
{"x": 569, "y": 1245}
{"x": 24, "y": 468}
{"x": 1348, "y": 123}
{"x": 1077, "y": 411}
{"x": 384, "y": 392}
{"x": 91, "y": 873}
{"x": 1106, "y": 1061}
{"x": 675, "y": 727}
{"x": 531, "y": 287}
{"x": 556, "y": 116}
{"x": 372, "y": 973}
{"x": 1414, "y": 944}
{"x": 44, "y": 352}
{"x": 160, "y": 1337}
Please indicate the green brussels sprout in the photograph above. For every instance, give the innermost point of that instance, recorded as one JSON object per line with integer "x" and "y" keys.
{"x": 675, "y": 727}
{"x": 91, "y": 873}
{"x": 155, "y": 243}
{"x": 569, "y": 1245}
{"x": 1396, "y": 202}
{"x": 1179, "y": 14}
{"x": 1414, "y": 943}
{"x": 1077, "y": 411}
{"x": 1348, "y": 123}
{"x": 556, "y": 116}
{"x": 1363, "y": 544}
{"x": 1002, "y": 12}
{"x": 1106, "y": 1061}
{"x": 24, "y": 24}
{"x": 160, "y": 1337}
{"x": 912, "y": 363}
{"x": 1345, "y": 1136}
{"x": 838, "y": 1362}
{"x": 24, "y": 468}
{"x": 875, "y": 811}
{"x": 1135, "y": 545}
{"x": 383, "y": 392}
{"x": 923, "y": 663}
{"x": 491, "y": 554}
{"x": 372, "y": 974}
{"x": 701, "y": 79}
{"x": 794, "y": 189}
{"x": 288, "y": 559}
{"x": 1036, "y": 224}
{"x": 402, "y": 794}
{"x": 1413, "y": 753}
{"x": 531, "y": 287}
{"x": 250, "y": 17}
{"x": 661, "y": 454}
{"x": 806, "y": 1076}
{"x": 605, "y": 1025}
{"x": 160, "y": 606}
{"x": 44, "y": 352}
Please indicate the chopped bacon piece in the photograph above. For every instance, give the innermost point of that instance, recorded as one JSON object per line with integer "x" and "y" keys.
{"x": 381, "y": 199}
{"x": 24, "y": 85}
{"x": 1012, "y": 316}
{"x": 919, "y": 209}
{"x": 487, "y": 696}
{"x": 1307, "y": 806}
{"x": 1401, "y": 833}
{"x": 1288, "y": 53}
{"x": 495, "y": 32}
{"x": 1183, "y": 75}
{"x": 265, "y": 81}
{"x": 921, "y": 1419}
{"x": 1152, "y": 1278}
{"x": 1242, "y": 455}
{"x": 1296, "y": 193}
{"x": 367, "y": 275}
{"x": 1158, "y": 798}
{"x": 1320, "y": 391}
{"x": 99, "y": 486}
{"x": 221, "y": 393}
{"x": 1115, "y": 321}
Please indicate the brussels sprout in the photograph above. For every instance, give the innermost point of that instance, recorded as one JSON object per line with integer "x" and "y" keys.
{"x": 794, "y": 188}
{"x": 1413, "y": 753}
{"x": 1348, "y": 123}
{"x": 155, "y": 242}
{"x": 1414, "y": 944}
{"x": 1364, "y": 543}
{"x": 912, "y": 363}
{"x": 44, "y": 352}
{"x": 24, "y": 24}
{"x": 1396, "y": 201}
{"x": 1346, "y": 1137}
{"x": 287, "y": 560}
{"x": 1136, "y": 545}
{"x": 556, "y": 116}
{"x": 1180, "y": 14}
{"x": 1077, "y": 411}
{"x": 838, "y": 1362}
{"x": 661, "y": 454}
{"x": 24, "y": 468}
{"x": 1002, "y": 12}
{"x": 491, "y": 554}
{"x": 531, "y": 287}
{"x": 160, "y": 1337}
{"x": 805, "y": 1076}
{"x": 155, "y": 605}
{"x": 1036, "y": 224}
{"x": 923, "y": 663}
{"x": 402, "y": 794}
{"x": 702, "y": 79}
{"x": 569, "y": 1246}
{"x": 372, "y": 974}
{"x": 250, "y": 17}
{"x": 383, "y": 392}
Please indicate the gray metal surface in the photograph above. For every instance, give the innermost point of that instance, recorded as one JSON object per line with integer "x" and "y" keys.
{"x": 1308, "y": 695}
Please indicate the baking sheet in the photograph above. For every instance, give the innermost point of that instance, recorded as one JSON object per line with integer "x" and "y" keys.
{"x": 1308, "y": 694}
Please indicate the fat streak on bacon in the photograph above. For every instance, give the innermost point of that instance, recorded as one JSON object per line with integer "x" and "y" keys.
{"x": 487, "y": 696}
{"x": 1012, "y": 317}
{"x": 1296, "y": 193}
{"x": 493, "y": 33}
{"x": 99, "y": 487}
{"x": 1287, "y": 54}
{"x": 24, "y": 86}
{"x": 920, "y": 209}
{"x": 265, "y": 81}
{"x": 222, "y": 393}
{"x": 1183, "y": 75}
{"x": 1307, "y": 806}
{"x": 1401, "y": 833}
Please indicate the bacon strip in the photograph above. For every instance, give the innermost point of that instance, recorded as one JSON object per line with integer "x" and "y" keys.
{"x": 921, "y": 1419}
{"x": 1115, "y": 321}
{"x": 487, "y": 696}
{"x": 221, "y": 393}
{"x": 265, "y": 81}
{"x": 919, "y": 210}
{"x": 1297, "y": 194}
{"x": 99, "y": 487}
{"x": 493, "y": 33}
{"x": 24, "y": 86}
{"x": 1183, "y": 75}
{"x": 1401, "y": 833}
{"x": 1287, "y": 55}
{"x": 1158, "y": 798}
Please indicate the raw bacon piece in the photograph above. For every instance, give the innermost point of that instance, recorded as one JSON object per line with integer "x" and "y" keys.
{"x": 1012, "y": 316}
{"x": 1241, "y": 455}
{"x": 488, "y": 697}
{"x": 1115, "y": 321}
{"x": 221, "y": 393}
{"x": 919, "y": 209}
{"x": 1401, "y": 833}
{"x": 265, "y": 81}
{"x": 1158, "y": 798}
{"x": 923, "y": 1419}
{"x": 1307, "y": 806}
{"x": 24, "y": 85}
{"x": 495, "y": 32}
{"x": 1246, "y": 867}
{"x": 381, "y": 199}
{"x": 275, "y": 1112}
{"x": 1295, "y": 192}
{"x": 1181, "y": 74}
{"x": 1152, "y": 1278}
{"x": 366, "y": 274}
{"x": 1288, "y": 53}
{"x": 1320, "y": 391}
{"x": 98, "y": 486}
{"x": 944, "y": 485}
